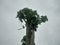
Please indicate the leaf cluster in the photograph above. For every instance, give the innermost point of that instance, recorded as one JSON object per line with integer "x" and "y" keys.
{"x": 23, "y": 40}
{"x": 31, "y": 17}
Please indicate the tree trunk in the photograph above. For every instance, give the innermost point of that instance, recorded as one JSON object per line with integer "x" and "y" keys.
{"x": 32, "y": 37}
{"x": 28, "y": 34}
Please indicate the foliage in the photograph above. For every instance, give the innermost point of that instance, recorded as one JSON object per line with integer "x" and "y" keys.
{"x": 31, "y": 17}
{"x": 23, "y": 40}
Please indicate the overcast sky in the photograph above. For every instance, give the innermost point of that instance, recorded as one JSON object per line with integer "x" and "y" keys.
{"x": 47, "y": 33}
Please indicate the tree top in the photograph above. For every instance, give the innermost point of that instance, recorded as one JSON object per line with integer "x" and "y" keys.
{"x": 31, "y": 17}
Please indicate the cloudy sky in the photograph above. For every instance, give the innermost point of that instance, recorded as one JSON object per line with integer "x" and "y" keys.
{"x": 47, "y": 33}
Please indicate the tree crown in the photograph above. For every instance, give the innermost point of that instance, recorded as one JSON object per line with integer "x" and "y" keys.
{"x": 31, "y": 17}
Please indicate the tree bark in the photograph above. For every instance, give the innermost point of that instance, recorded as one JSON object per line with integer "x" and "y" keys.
{"x": 32, "y": 38}
{"x": 28, "y": 34}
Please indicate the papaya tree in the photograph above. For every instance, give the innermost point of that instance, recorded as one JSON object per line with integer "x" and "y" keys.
{"x": 32, "y": 20}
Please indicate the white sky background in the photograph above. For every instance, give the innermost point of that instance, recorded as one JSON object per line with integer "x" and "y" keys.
{"x": 47, "y": 34}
